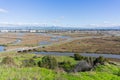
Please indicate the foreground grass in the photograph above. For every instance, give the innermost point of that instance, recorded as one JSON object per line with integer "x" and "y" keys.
{"x": 26, "y": 73}
{"x": 36, "y": 73}
{"x": 102, "y": 72}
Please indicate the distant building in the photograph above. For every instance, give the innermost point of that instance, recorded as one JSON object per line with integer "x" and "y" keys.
{"x": 32, "y": 31}
{"x": 4, "y": 31}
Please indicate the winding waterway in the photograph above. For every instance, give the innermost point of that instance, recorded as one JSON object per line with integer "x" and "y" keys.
{"x": 2, "y": 48}
{"x": 54, "y": 38}
{"x": 16, "y": 42}
{"x": 83, "y": 54}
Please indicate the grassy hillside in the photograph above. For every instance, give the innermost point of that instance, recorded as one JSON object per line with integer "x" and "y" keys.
{"x": 18, "y": 72}
{"x": 36, "y": 73}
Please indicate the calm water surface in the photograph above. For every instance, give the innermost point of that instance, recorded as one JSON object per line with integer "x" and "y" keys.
{"x": 83, "y": 54}
{"x": 2, "y": 48}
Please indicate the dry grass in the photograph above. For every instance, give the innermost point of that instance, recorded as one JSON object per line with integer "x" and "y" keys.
{"x": 28, "y": 40}
{"x": 6, "y": 38}
{"x": 92, "y": 45}
{"x": 33, "y": 39}
{"x": 114, "y": 60}
{"x": 79, "y": 34}
{"x": 4, "y": 41}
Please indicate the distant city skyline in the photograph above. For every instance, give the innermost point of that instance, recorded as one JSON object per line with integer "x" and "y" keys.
{"x": 64, "y": 13}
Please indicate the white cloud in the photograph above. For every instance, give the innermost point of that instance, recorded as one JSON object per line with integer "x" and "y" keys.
{"x": 3, "y": 10}
{"x": 8, "y": 24}
{"x": 102, "y": 25}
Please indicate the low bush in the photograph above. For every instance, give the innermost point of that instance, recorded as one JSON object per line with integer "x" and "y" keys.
{"x": 118, "y": 73}
{"x": 8, "y": 61}
{"x": 35, "y": 56}
{"x": 66, "y": 65}
{"x": 48, "y": 62}
{"x": 90, "y": 60}
{"x": 99, "y": 60}
{"x": 78, "y": 57}
{"x": 28, "y": 63}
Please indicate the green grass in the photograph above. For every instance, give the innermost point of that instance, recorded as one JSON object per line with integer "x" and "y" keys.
{"x": 36, "y": 73}
{"x": 26, "y": 73}
{"x": 102, "y": 72}
{"x": 65, "y": 58}
{"x": 112, "y": 69}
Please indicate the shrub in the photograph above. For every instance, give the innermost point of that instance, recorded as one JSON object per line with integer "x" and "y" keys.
{"x": 99, "y": 60}
{"x": 48, "y": 62}
{"x": 90, "y": 60}
{"x": 66, "y": 65}
{"x": 28, "y": 63}
{"x": 78, "y": 57}
{"x": 8, "y": 60}
{"x": 35, "y": 56}
{"x": 43, "y": 46}
{"x": 118, "y": 73}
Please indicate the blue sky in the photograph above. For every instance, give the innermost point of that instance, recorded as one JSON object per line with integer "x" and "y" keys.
{"x": 61, "y": 12}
